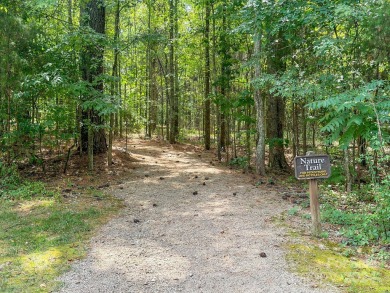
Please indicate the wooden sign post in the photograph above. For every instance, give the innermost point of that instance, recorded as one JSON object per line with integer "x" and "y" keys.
{"x": 313, "y": 167}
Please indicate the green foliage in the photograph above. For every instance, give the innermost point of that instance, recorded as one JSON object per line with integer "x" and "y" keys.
{"x": 12, "y": 186}
{"x": 272, "y": 142}
{"x": 337, "y": 176}
{"x": 9, "y": 178}
{"x": 355, "y": 113}
{"x": 293, "y": 211}
{"x": 382, "y": 199}
{"x": 241, "y": 162}
{"x": 359, "y": 227}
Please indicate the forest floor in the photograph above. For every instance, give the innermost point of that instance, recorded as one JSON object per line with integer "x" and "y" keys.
{"x": 189, "y": 225}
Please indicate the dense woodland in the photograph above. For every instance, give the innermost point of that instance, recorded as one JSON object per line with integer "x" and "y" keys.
{"x": 258, "y": 81}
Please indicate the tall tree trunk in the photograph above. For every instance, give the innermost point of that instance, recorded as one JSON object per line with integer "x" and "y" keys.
{"x": 168, "y": 98}
{"x": 153, "y": 94}
{"x": 276, "y": 106}
{"x": 176, "y": 71}
{"x": 171, "y": 70}
{"x": 224, "y": 80}
{"x": 114, "y": 83}
{"x": 260, "y": 110}
{"x": 248, "y": 135}
{"x": 8, "y": 97}
{"x": 207, "y": 103}
{"x": 152, "y": 82}
{"x": 121, "y": 100}
{"x": 93, "y": 15}
{"x": 214, "y": 87}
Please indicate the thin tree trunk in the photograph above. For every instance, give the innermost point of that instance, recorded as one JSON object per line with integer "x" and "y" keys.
{"x": 8, "y": 97}
{"x": 260, "y": 113}
{"x": 348, "y": 176}
{"x": 207, "y": 103}
{"x": 90, "y": 143}
{"x": 172, "y": 94}
{"x": 110, "y": 140}
{"x": 248, "y": 135}
{"x": 121, "y": 100}
{"x": 176, "y": 72}
{"x": 224, "y": 81}
{"x": 304, "y": 131}
{"x": 217, "y": 123}
{"x": 152, "y": 82}
{"x": 295, "y": 130}
{"x": 114, "y": 84}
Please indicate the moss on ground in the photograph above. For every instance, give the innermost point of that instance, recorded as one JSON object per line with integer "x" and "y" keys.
{"x": 324, "y": 264}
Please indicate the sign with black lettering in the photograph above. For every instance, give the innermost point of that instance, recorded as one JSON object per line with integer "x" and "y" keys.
{"x": 312, "y": 167}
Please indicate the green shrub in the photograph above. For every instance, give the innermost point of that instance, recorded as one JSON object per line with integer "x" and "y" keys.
{"x": 9, "y": 177}
{"x": 337, "y": 175}
{"x": 359, "y": 227}
{"x": 13, "y": 186}
{"x": 241, "y": 162}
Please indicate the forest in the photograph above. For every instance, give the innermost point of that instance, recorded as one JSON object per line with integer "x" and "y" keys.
{"x": 258, "y": 82}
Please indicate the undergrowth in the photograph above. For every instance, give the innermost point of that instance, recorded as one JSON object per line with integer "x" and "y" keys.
{"x": 363, "y": 215}
{"x": 13, "y": 186}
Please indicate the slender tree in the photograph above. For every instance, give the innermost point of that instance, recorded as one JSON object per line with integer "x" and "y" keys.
{"x": 114, "y": 83}
{"x": 207, "y": 70}
{"x": 173, "y": 115}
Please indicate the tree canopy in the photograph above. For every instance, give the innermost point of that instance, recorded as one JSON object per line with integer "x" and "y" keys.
{"x": 296, "y": 74}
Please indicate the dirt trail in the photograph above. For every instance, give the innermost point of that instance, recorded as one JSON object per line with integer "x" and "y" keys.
{"x": 188, "y": 226}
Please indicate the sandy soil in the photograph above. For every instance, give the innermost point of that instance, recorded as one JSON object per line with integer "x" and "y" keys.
{"x": 188, "y": 226}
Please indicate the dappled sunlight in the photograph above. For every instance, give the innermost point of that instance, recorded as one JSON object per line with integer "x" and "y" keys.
{"x": 28, "y": 206}
{"x": 142, "y": 263}
{"x": 339, "y": 269}
{"x": 202, "y": 169}
{"x": 188, "y": 226}
{"x": 41, "y": 261}
{"x": 214, "y": 208}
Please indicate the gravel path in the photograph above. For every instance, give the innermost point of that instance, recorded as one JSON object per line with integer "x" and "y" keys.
{"x": 188, "y": 227}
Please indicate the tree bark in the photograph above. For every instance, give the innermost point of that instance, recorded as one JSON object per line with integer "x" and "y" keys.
{"x": 93, "y": 15}
{"x": 260, "y": 113}
{"x": 207, "y": 104}
{"x": 224, "y": 81}
{"x": 114, "y": 83}
{"x": 276, "y": 106}
{"x": 295, "y": 131}
{"x": 176, "y": 73}
{"x": 173, "y": 113}
{"x": 304, "y": 130}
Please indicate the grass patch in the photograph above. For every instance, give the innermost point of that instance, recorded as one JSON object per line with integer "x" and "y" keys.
{"x": 325, "y": 264}
{"x": 40, "y": 237}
